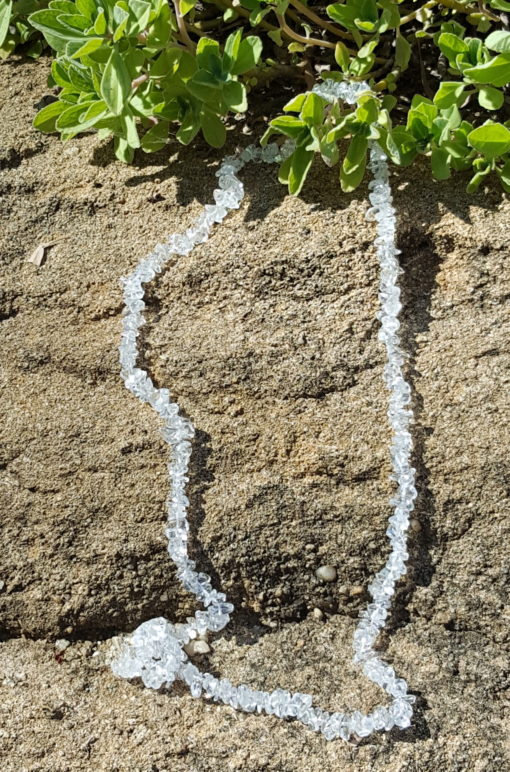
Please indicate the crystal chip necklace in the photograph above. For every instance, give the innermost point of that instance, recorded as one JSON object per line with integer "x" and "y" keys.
{"x": 155, "y": 652}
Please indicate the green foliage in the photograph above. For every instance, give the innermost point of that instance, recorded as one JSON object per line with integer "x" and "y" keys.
{"x": 139, "y": 71}
{"x": 120, "y": 68}
{"x": 15, "y": 30}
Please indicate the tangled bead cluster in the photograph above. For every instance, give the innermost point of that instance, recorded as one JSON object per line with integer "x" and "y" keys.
{"x": 155, "y": 651}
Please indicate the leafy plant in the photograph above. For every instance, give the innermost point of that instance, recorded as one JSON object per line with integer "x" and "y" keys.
{"x": 119, "y": 67}
{"x": 16, "y": 31}
{"x": 141, "y": 70}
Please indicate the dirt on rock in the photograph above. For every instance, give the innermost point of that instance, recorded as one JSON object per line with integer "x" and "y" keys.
{"x": 267, "y": 338}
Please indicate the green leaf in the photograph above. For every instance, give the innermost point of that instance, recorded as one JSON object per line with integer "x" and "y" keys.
{"x": 128, "y": 123}
{"x": 231, "y": 49}
{"x": 230, "y": 14}
{"x": 400, "y": 145}
{"x": 329, "y": 152}
{"x": 290, "y": 125}
{"x": 62, "y": 6}
{"x": 55, "y": 33}
{"x": 342, "y": 129}
{"x": 208, "y": 55}
{"x": 491, "y": 139}
{"x": 390, "y": 17}
{"x": 234, "y": 94}
{"x": 213, "y": 128}
{"x": 342, "y": 14}
{"x": 296, "y": 48}
{"x": 360, "y": 66}
{"x": 403, "y": 52}
{"x": 495, "y": 73}
{"x": 365, "y": 51}
{"x": 187, "y": 6}
{"x": 189, "y": 128}
{"x": 205, "y": 87}
{"x": 46, "y": 118}
{"x": 80, "y": 77}
{"x": 504, "y": 176}
{"x": 8, "y": 46}
{"x": 115, "y": 83}
{"x": 499, "y": 41}
{"x": 356, "y": 153}
{"x": 365, "y": 26}
{"x": 121, "y": 18}
{"x": 5, "y": 18}
{"x": 284, "y": 171}
{"x": 449, "y": 93}
{"x": 59, "y": 73}
{"x": 475, "y": 181}
{"x": 123, "y": 151}
{"x": 155, "y": 138}
{"x": 140, "y": 12}
{"x": 490, "y": 98}
{"x": 301, "y": 160}
{"x": 342, "y": 56}
{"x": 353, "y": 166}
{"x": 74, "y": 21}
{"x": 70, "y": 119}
{"x": 368, "y": 109}
{"x": 451, "y": 46}
{"x": 100, "y": 22}
{"x": 312, "y": 112}
{"x": 295, "y": 105}
{"x": 87, "y": 8}
{"x": 89, "y": 47}
{"x": 248, "y": 55}
{"x": 439, "y": 162}
{"x": 276, "y": 36}
{"x": 80, "y": 117}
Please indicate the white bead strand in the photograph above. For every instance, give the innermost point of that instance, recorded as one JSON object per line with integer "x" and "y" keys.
{"x": 155, "y": 652}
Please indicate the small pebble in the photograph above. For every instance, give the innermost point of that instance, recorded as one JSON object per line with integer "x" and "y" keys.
{"x": 317, "y": 614}
{"x": 326, "y": 573}
{"x": 197, "y": 647}
{"x": 62, "y": 644}
{"x": 357, "y": 589}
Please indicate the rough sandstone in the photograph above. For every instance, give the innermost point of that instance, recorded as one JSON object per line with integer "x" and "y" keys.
{"x": 267, "y": 337}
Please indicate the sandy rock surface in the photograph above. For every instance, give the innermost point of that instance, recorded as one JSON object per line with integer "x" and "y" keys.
{"x": 267, "y": 337}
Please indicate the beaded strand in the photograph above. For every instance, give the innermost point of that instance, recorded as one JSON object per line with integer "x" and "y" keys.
{"x": 155, "y": 650}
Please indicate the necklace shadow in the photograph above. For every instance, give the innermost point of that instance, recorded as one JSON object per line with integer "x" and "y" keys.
{"x": 192, "y": 169}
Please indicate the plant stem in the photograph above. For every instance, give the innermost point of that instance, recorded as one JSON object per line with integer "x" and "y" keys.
{"x": 302, "y": 8}
{"x": 223, "y": 4}
{"x": 383, "y": 84}
{"x": 182, "y": 26}
{"x": 301, "y": 39}
{"x": 275, "y": 71}
{"x": 413, "y": 15}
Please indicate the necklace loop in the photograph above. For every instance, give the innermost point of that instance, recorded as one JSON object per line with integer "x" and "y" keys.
{"x": 155, "y": 652}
